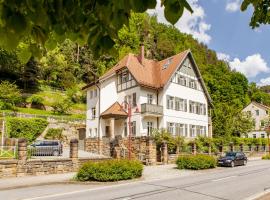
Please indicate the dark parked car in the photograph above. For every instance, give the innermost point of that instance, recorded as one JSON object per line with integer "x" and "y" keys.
{"x": 233, "y": 159}
{"x": 46, "y": 148}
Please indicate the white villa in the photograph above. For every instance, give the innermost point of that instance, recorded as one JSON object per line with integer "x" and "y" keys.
{"x": 168, "y": 94}
{"x": 260, "y": 115}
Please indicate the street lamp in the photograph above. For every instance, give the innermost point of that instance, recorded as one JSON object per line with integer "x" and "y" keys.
{"x": 129, "y": 109}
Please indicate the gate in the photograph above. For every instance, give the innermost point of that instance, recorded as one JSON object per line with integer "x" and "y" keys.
{"x": 82, "y": 136}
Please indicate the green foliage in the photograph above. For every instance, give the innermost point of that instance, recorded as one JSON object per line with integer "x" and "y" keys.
{"x": 260, "y": 14}
{"x": 266, "y": 157}
{"x": 111, "y": 170}
{"x": 54, "y": 134}
{"x": 196, "y": 162}
{"x": 31, "y": 24}
{"x": 35, "y": 100}
{"x": 25, "y": 128}
{"x": 163, "y": 135}
{"x": 9, "y": 95}
{"x": 62, "y": 106}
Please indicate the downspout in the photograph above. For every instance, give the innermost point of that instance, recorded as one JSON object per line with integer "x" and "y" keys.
{"x": 157, "y": 105}
{"x": 99, "y": 139}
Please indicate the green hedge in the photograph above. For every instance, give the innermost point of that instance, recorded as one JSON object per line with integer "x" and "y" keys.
{"x": 110, "y": 170}
{"x": 266, "y": 157}
{"x": 196, "y": 162}
{"x": 29, "y": 128}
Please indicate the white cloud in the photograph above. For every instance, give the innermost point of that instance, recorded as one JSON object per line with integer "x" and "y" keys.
{"x": 233, "y": 5}
{"x": 223, "y": 56}
{"x": 193, "y": 24}
{"x": 251, "y": 66}
{"x": 264, "y": 81}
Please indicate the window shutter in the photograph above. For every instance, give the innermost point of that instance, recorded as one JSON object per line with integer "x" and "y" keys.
{"x": 134, "y": 103}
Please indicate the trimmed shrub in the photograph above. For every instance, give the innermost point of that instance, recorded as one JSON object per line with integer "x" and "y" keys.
{"x": 196, "y": 162}
{"x": 266, "y": 157}
{"x": 54, "y": 134}
{"x": 25, "y": 128}
{"x": 110, "y": 170}
{"x": 35, "y": 100}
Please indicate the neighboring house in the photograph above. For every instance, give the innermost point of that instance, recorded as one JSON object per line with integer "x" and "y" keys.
{"x": 168, "y": 94}
{"x": 260, "y": 115}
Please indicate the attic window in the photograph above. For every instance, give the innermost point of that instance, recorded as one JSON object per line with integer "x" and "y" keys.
{"x": 168, "y": 62}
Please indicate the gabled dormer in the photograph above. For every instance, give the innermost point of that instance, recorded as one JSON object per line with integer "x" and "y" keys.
{"x": 125, "y": 80}
{"x": 186, "y": 75}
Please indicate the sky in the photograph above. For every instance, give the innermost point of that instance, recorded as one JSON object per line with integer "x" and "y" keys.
{"x": 224, "y": 28}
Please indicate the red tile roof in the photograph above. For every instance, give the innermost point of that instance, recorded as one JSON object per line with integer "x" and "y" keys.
{"x": 149, "y": 72}
{"x": 114, "y": 110}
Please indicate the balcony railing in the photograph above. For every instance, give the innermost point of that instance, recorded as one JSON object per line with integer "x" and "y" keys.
{"x": 151, "y": 109}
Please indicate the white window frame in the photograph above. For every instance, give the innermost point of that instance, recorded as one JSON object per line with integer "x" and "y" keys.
{"x": 149, "y": 125}
{"x": 150, "y": 98}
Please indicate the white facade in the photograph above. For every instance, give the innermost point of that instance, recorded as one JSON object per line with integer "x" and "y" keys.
{"x": 153, "y": 105}
{"x": 260, "y": 115}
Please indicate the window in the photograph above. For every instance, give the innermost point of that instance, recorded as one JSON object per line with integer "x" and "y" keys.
{"x": 125, "y": 129}
{"x": 93, "y": 113}
{"x": 134, "y": 102}
{"x": 262, "y": 123}
{"x": 254, "y": 135}
{"x": 91, "y": 94}
{"x": 170, "y": 102}
{"x": 192, "y": 130}
{"x": 262, "y": 135}
{"x": 149, "y": 128}
{"x": 95, "y": 132}
{"x": 170, "y": 127}
{"x": 192, "y": 84}
{"x": 257, "y": 112}
{"x": 180, "y": 104}
{"x": 90, "y": 132}
{"x": 133, "y": 128}
{"x": 149, "y": 98}
{"x": 180, "y": 129}
{"x": 125, "y": 80}
{"x": 124, "y": 77}
{"x": 95, "y": 93}
{"x": 127, "y": 100}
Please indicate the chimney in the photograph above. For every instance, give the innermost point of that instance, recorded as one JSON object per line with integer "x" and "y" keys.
{"x": 141, "y": 56}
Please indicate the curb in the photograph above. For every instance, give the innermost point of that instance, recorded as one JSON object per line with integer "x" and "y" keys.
{"x": 258, "y": 195}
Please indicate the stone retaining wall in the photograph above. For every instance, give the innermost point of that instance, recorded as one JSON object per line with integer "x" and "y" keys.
{"x": 142, "y": 148}
{"x": 16, "y": 168}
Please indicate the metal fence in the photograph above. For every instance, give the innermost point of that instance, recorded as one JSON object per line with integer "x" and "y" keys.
{"x": 8, "y": 152}
{"x": 44, "y": 151}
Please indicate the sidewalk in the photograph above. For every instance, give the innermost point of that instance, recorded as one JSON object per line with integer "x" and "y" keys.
{"x": 18, "y": 182}
{"x": 149, "y": 173}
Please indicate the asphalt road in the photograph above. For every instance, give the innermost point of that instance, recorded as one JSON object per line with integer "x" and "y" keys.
{"x": 237, "y": 183}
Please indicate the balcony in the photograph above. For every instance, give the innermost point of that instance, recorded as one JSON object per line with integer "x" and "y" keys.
{"x": 151, "y": 110}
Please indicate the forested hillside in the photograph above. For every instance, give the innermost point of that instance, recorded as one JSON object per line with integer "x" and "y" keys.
{"x": 70, "y": 65}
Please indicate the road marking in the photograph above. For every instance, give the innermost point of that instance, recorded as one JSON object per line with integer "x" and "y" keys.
{"x": 224, "y": 178}
{"x": 77, "y": 191}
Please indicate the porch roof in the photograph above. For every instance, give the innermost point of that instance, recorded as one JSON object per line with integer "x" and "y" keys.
{"x": 114, "y": 111}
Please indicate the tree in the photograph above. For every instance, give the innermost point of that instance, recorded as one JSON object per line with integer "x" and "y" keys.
{"x": 9, "y": 95}
{"x": 260, "y": 13}
{"x": 95, "y": 22}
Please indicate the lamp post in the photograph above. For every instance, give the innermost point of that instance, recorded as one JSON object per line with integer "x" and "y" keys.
{"x": 129, "y": 109}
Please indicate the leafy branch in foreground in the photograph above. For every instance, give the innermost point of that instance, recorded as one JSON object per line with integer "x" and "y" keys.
{"x": 31, "y": 25}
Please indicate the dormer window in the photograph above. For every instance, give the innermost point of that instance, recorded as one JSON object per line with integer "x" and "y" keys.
{"x": 168, "y": 62}
{"x": 125, "y": 80}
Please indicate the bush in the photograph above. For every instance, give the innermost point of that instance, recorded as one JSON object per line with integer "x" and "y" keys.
{"x": 25, "y": 128}
{"x": 9, "y": 94}
{"x": 54, "y": 134}
{"x": 35, "y": 100}
{"x": 62, "y": 106}
{"x": 110, "y": 170}
{"x": 266, "y": 157}
{"x": 163, "y": 135}
{"x": 196, "y": 162}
